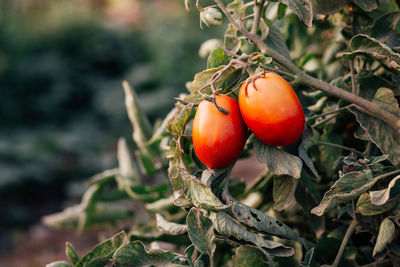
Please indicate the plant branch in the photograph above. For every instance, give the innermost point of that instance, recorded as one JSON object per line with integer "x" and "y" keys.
{"x": 257, "y": 15}
{"x": 341, "y": 147}
{"x": 330, "y": 112}
{"x": 346, "y": 237}
{"x": 308, "y": 80}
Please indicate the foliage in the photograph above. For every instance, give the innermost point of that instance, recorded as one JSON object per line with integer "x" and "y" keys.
{"x": 348, "y": 153}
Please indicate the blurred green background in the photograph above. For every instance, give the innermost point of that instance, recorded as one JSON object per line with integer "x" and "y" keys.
{"x": 62, "y": 104}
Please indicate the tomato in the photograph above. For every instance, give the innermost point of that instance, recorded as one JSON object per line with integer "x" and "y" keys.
{"x": 218, "y": 138}
{"x": 272, "y": 110}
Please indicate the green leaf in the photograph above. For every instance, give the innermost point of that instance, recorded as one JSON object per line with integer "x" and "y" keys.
{"x": 302, "y": 8}
{"x": 217, "y": 58}
{"x": 385, "y": 236}
{"x": 362, "y": 44}
{"x": 201, "y": 232}
{"x": 88, "y": 205}
{"x": 249, "y": 256}
{"x": 309, "y": 138}
{"x": 231, "y": 41}
{"x": 104, "y": 177}
{"x": 163, "y": 204}
{"x": 328, "y": 155}
{"x": 71, "y": 253}
{"x": 227, "y": 227}
{"x": 177, "y": 124}
{"x": 141, "y": 126}
{"x": 170, "y": 228}
{"x": 383, "y": 135}
{"x": 146, "y": 163}
{"x": 324, "y": 7}
{"x": 385, "y": 25}
{"x": 278, "y": 161}
{"x": 380, "y": 197}
{"x": 366, "y": 5}
{"x": 128, "y": 173}
{"x": 366, "y": 208}
{"x": 102, "y": 253}
{"x": 196, "y": 192}
{"x": 348, "y": 187}
{"x": 283, "y": 192}
{"x": 135, "y": 254}
{"x": 276, "y": 41}
{"x": 261, "y": 222}
{"x": 59, "y": 264}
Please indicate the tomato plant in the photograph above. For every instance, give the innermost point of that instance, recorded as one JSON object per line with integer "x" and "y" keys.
{"x": 218, "y": 138}
{"x": 271, "y": 109}
{"x": 330, "y": 198}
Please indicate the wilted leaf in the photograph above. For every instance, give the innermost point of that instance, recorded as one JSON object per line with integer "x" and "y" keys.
{"x": 231, "y": 42}
{"x": 276, "y": 41}
{"x": 71, "y": 253}
{"x": 59, "y": 264}
{"x": 177, "y": 124}
{"x": 366, "y": 5}
{"x": 203, "y": 79}
{"x": 135, "y": 254}
{"x": 163, "y": 204}
{"x": 261, "y": 222}
{"x": 383, "y": 135}
{"x": 348, "y": 187}
{"x": 328, "y": 7}
{"x": 283, "y": 193}
{"x": 104, "y": 177}
{"x": 88, "y": 205}
{"x": 141, "y": 125}
{"x": 249, "y": 256}
{"x": 385, "y": 24}
{"x": 366, "y": 208}
{"x": 170, "y": 228}
{"x": 201, "y": 232}
{"x": 385, "y": 236}
{"x": 278, "y": 161}
{"x": 309, "y": 138}
{"x": 302, "y": 8}
{"x": 227, "y": 227}
{"x": 365, "y": 45}
{"x": 380, "y": 197}
{"x": 217, "y": 58}
{"x": 102, "y": 253}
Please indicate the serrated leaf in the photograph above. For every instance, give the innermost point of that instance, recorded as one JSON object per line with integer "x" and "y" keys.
{"x": 135, "y": 254}
{"x": 249, "y": 256}
{"x": 227, "y": 227}
{"x": 102, "y": 253}
{"x": 170, "y": 228}
{"x": 141, "y": 125}
{"x": 324, "y": 7}
{"x": 362, "y": 44}
{"x": 278, "y": 161}
{"x": 309, "y": 138}
{"x": 366, "y": 208}
{"x": 366, "y": 5}
{"x": 283, "y": 192}
{"x": 380, "y": 197}
{"x": 261, "y": 222}
{"x": 385, "y": 236}
{"x": 71, "y": 253}
{"x": 348, "y": 187}
{"x": 59, "y": 264}
{"x": 201, "y": 232}
{"x": 217, "y": 58}
{"x": 302, "y": 8}
{"x": 385, "y": 25}
{"x": 276, "y": 41}
{"x": 383, "y": 135}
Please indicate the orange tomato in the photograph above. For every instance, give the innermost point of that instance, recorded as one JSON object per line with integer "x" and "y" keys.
{"x": 272, "y": 110}
{"x": 218, "y": 138}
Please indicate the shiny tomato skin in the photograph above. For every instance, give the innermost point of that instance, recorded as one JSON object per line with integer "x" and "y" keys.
{"x": 272, "y": 110}
{"x": 218, "y": 138}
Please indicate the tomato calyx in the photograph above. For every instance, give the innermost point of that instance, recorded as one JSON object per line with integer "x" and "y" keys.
{"x": 214, "y": 101}
{"x": 252, "y": 80}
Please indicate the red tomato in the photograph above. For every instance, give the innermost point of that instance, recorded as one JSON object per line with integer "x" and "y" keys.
{"x": 218, "y": 138}
{"x": 272, "y": 110}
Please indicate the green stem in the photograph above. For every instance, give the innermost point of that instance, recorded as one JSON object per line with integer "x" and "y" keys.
{"x": 341, "y": 147}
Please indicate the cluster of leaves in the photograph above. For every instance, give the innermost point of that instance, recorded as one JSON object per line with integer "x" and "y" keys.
{"x": 343, "y": 169}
